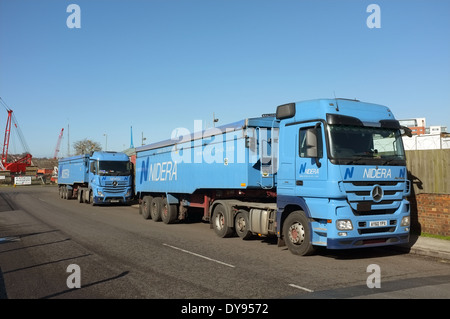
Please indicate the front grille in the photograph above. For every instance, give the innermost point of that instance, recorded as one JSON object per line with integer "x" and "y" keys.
{"x": 114, "y": 190}
{"x": 373, "y": 183}
{"x": 367, "y": 193}
{"x": 118, "y": 183}
{"x": 359, "y": 196}
{"x": 374, "y": 212}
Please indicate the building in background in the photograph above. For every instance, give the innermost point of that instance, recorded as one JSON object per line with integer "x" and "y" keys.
{"x": 417, "y": 125}
{"x": 425, "y": 138}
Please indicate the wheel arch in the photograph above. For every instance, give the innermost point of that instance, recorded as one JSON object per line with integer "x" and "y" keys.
{"x": 228, "y": 205}
{"x": 287, "y": 205}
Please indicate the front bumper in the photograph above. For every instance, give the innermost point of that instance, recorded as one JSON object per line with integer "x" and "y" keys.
{"x": 372, "y": 241}
{"x": 371, "y": 230}
{"x": 112, "y": 200}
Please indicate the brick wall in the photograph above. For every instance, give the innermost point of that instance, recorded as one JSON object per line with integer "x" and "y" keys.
{"x": 430, "y": 213}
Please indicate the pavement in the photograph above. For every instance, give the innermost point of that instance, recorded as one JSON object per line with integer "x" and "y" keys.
{"x": 426, "y": 246}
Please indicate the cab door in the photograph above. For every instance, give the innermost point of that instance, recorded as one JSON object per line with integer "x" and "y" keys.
{"x": 311, "y": 160}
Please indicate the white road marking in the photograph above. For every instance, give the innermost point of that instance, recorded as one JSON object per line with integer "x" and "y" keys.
{"x": 302, "y": 288}
{"x": 9, "y": 239}
{"x": 198, "y": 255}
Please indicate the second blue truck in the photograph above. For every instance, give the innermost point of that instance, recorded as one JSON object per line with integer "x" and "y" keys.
{"x": 97, "y": 178}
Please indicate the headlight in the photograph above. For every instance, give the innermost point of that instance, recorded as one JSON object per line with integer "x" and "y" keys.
{"x": 405, "y": 221}
{"x": 344, "y": 224}
{"x": 99, "y": 193}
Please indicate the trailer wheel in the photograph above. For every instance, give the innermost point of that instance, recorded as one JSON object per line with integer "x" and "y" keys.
{"x": 220, "y": 222}
{"x": 61, "y": 189}
{"x": 69, "y": 194}
{"x": 64, "y": 192}
{"x": 155, "y": 209}
{"x": 169, "y": 212}
{"x": 297, "y": 234}
{"x": 241, "y": 225}
{"x": 145, "y": 206}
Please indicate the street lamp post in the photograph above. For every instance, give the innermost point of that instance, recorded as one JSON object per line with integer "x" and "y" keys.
{"x": 106, "y": 141}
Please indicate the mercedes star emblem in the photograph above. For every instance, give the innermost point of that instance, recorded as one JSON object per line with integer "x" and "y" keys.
{"x": 377, "y": 193}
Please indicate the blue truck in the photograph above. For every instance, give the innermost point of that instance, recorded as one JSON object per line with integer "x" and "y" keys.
{"x": 327, "y": 172}
{"x": 96, "y": 178}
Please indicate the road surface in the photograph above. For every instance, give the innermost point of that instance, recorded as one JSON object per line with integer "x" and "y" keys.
{"x": 49, "y": 245}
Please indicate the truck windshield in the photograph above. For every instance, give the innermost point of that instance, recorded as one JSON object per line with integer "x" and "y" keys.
{"x": 114, "y": 168}
{"x": 365, "y": 145}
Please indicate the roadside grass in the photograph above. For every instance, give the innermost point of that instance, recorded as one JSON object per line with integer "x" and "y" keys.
{"x": 434, "y": 236}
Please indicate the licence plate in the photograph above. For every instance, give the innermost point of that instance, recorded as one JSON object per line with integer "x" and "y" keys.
{"x": 114, "y": 200}
{"x": 378, "y": 223}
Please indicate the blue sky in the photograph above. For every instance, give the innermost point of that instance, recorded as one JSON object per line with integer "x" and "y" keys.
{"x": 157, "y": 65}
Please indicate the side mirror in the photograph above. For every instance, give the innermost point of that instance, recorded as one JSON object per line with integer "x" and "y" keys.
{"x": 311, "y": 142}
{"x": 406, "y": 131}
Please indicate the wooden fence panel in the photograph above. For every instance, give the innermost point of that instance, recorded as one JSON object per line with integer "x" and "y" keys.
{"x": 429, "y": 170}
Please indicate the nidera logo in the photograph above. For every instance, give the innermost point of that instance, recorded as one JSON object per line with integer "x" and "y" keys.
{"x": 158, "y": 171}
{"x": 308, "y": 171}
{"x": 377, "y": 173}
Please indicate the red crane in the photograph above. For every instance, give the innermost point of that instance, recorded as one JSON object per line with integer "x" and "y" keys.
{"x": 58, "y": 143}
{"x": 6, "y": 140}
{"x": 19, "y": 165}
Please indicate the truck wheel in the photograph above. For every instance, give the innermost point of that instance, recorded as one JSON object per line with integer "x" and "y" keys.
{"x": 297, "y": 234}
{"x": 80, "y": 196}
{"x": 145, "y": 207}
{"x": 169, "y": 212}
{"x": 241, "y": 225}
{"x": 220, "y": 222}
{"x": 61, "y": 189}
{"x": 64, "y": 192}
{"x": 69, "y": 194}
{"x": 155, "y": 209}
{"x": 91, "y": 198}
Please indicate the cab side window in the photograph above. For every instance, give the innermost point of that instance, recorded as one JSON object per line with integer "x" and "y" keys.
{"x": 94, "y": 167}
{"x": 303, "y": 140}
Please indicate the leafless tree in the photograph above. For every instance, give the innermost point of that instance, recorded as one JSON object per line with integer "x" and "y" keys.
{"x": 86, "y": 146}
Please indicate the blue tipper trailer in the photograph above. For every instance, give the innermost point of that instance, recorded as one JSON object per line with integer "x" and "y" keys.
{"x": 329, "y": 172}
{"x": 97, "y": 178}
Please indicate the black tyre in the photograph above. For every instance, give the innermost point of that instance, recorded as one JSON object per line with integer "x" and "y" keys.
{"x": 145, "y": 206}
{"x": 80, "y": 196}
{"x": 69, "y": 194}
{"x": 169, "y": 212}
{"x": 91, "y": 198}
{"x": 297, "y": 234}
{"x": 155, "y": 209}
{"x": 241, "y": 225}
{"x": 220, "y": 222}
